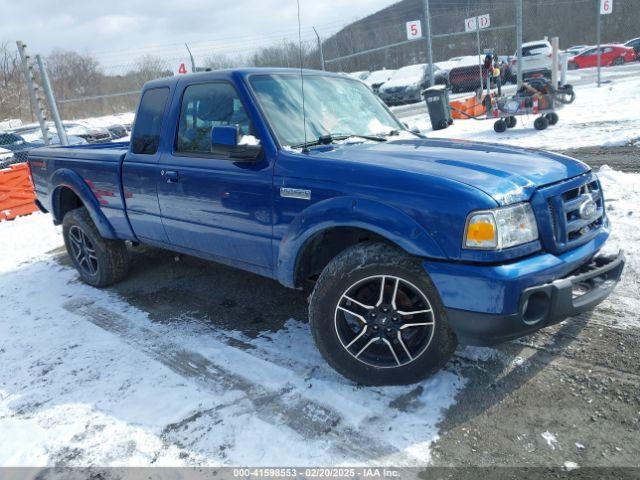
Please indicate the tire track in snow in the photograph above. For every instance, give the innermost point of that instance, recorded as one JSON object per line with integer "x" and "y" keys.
{"x": 309, "y": 419}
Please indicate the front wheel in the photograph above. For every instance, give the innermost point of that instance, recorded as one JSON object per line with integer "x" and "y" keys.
{"x": 100, "y": 262}
{"x": 377, "y": 318}
{"x": 618, "y": 61}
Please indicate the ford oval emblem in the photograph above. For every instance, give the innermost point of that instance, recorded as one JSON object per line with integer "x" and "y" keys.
{"x": 588, "y": 209}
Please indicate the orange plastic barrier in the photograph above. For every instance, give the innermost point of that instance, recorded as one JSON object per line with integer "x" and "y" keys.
{"x": 471, "y": 106}
{"x": 17, "y": 197}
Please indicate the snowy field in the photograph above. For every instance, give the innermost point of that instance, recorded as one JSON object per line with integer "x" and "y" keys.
{"x": 74, "y": 393}
{"x": 606, "y": 116}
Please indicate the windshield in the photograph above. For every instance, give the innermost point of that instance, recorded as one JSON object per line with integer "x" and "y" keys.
{"x": 333, "y": 106}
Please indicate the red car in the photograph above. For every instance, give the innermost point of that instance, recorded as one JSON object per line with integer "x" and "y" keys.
{"x": 611, "y": 55}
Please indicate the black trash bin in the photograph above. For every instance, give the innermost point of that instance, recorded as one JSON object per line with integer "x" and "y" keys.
{"x": 437, "y": 98}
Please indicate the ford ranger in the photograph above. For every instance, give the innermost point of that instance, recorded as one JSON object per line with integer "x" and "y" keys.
{"x": 409, "y": 245}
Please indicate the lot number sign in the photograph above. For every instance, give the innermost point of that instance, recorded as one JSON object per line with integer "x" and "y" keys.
{"x": 606, "y": 7}
{"x": 471, "y": 24}
{"x": 414, "y": 29}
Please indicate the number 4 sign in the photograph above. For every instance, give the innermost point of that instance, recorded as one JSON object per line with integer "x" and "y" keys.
{"x": 414, "y": 29}
{"x": 606, "y": 7}
{"x": 182, "y": 68}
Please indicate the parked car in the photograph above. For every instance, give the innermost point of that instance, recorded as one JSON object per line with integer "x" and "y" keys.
{"x": 409, "y": 245}
{"x": 576, "y": 49}
{"x": 635, "y": 44}
{"x": 536, "y": 58}
{"x": 377, "y": 78}
{"x": 90, "y": 134}
{"x": 117, "y": 131}
{"x": 55, "y": 140}
{"x": 33, "y": 137}
{"x": 360, "y": 75}
{"x": 16, "y": 145}
{"x": 406, "y": 85}
{"x": 610, "y": 55}
{"x": 6, "y": 158}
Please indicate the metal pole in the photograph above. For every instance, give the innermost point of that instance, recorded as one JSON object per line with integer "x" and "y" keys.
{"x": 519, "y": 15}
{"x": 35, "y": 102}
{"x": 427, "y": 32}
{"x": 598, "y": 33}
{"x": 479, "y": 55}
{"x": 320, "y": 49}
{"x": 193, "y": 62}
{"x": 53, "y": 107}
{"x": 555, "y": 45}
{"x": 564, "y": 59}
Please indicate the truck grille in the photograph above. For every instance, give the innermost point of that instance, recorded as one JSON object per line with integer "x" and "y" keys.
{"x": 575, "y": 214}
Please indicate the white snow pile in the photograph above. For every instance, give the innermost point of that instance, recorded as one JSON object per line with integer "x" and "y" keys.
{"x": 87, "y": 379}
{"x": 606, "y": 116}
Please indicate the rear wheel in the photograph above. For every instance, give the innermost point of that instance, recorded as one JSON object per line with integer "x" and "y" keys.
{"x": 377, "y": 318}
{"x": 552, "y": 118}
{"x": 511, "y": 121}
{"x": 573, "y": 66}
{"x": 618, "y": 61}
{"x": 100, "y": 262}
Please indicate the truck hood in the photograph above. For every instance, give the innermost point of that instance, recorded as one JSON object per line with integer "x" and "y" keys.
{"x": 508, "y": 174}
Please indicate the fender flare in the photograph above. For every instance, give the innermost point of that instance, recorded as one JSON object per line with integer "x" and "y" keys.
{"x": 384, "y": 220}
{"x": 67, "y": 178}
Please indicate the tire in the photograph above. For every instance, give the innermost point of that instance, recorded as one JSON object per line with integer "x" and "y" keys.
{"x": 618, "y": 61}
{"x": 500, "y": 126}
{"x": 541, "y": 123}
{"x": 552, "y": 118}
{"x": 511, "y": 121}
{"x": 382, "y": 350}
{"x": 573, "y": 66}
{"x": 100, "y": 262}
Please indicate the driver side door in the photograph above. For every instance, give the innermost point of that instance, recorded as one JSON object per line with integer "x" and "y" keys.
{"x": 211, "y": 205}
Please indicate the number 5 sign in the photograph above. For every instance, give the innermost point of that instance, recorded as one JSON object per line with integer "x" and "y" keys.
{"x": 414, "y": 29}
{"x": 606, "y": 7}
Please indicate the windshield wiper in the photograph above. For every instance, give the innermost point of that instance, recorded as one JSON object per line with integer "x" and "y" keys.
{"x": 334, "y": 137}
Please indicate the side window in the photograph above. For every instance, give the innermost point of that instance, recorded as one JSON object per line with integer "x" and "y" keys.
{"x": 205, "y": 106}
{"x": 148, "y": 123}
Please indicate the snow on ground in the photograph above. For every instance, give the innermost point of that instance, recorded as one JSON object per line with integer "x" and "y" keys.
{"x": 86, "y": 379}
{"x": 606, "y": 116}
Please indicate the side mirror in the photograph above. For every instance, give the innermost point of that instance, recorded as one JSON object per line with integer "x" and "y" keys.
{"x": 224, "y": 142}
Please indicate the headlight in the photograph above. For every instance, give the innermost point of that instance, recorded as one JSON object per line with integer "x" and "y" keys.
{"x": 501, "y": 227}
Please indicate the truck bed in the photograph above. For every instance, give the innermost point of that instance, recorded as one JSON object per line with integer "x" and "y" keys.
{"x": 98, "y": 165}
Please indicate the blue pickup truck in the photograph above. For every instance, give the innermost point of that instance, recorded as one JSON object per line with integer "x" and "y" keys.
{"x": 409, "y": 245}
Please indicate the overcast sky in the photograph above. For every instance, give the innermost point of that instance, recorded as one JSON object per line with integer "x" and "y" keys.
{"x": 119, "y": 31}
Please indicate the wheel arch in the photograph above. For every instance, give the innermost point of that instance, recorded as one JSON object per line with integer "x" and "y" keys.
{"x": 69, "y": 191}
{"x": 327, "y": 228}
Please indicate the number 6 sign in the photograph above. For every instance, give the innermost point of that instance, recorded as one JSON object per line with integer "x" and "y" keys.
{"x": 606, "y": 7}
{"x": 414, "y": 29}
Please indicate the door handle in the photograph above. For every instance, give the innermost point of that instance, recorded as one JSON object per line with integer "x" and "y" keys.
{"x": 171, "y": 176}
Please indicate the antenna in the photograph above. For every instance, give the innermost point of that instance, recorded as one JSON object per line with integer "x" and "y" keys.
{"x": 304, "y": 113}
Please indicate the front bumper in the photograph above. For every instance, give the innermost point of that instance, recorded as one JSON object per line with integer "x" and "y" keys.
{"x": 542, "y": 305}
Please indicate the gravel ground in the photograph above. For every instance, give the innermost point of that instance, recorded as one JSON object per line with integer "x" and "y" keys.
{"x": 624, "y": 159}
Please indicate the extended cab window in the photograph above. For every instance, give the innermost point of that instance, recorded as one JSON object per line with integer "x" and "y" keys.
{"x": 146, "y": 134}
{"x": 205, "y": 106}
